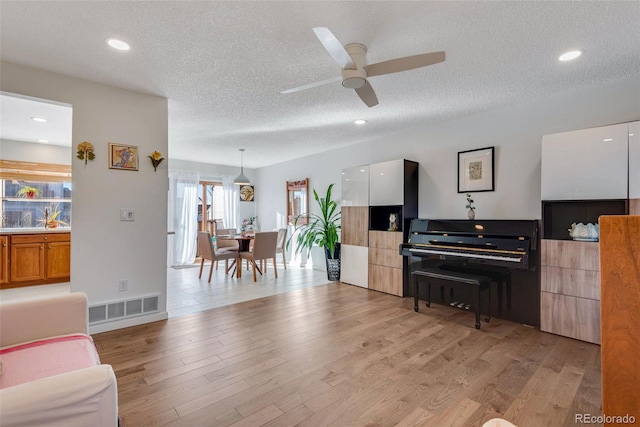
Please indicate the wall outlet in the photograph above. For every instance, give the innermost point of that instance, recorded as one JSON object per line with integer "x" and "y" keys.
{"x": 123, "y": 285}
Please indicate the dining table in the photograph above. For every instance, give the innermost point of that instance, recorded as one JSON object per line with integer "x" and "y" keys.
{"x": 244, "y": 244}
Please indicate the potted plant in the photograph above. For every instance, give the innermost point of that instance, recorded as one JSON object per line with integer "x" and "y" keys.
{"x": 50, "y": 217}
{"x": 29, "y": 192}
{"x": 320, "y": 230}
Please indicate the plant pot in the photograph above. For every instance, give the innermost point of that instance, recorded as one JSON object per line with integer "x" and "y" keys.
{"x": 471, "y": 214}
{"x": 333, "y": 263}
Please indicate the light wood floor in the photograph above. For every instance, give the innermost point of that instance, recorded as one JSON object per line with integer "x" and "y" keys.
{"x": 341, "y": 355}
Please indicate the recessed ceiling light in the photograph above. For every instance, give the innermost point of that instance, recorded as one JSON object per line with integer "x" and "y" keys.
{"x": 630, "y": 134}
{"x": 118, "y": 44}
{"x": 360, "y": 122}
{"x": 38, "y": 119}
{"x": 570, "y": 55}
{"x": 43, "y": 140}
{"x": 607, "y": 140}
{"x": 381, "y": 173}
{"x": 361, "y": 170}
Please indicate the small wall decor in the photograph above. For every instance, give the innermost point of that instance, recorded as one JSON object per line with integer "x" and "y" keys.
{"x": 123, "y": 157}
{"x": 156, "y": 158}
{"x": 246, "y": 193}
{"x": 85, "y": 152}
{"x": 475, "y": 170}
{"x": 393, "y": 222}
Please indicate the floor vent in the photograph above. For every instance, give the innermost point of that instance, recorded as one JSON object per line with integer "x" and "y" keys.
{"x": 118, "y": 310}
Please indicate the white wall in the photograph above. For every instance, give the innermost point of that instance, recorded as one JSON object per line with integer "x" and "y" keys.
{"x": 104, "y": 249}
{"x": 211, "y": 172}
{"x": 21, "y": 151}
{"x": 515, "y": 131}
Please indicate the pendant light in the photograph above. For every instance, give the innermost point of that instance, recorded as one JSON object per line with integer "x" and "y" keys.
{"x": 241, "y": 179}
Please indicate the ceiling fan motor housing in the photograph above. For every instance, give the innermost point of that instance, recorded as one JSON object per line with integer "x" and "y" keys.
{"x": 355, "y": 79}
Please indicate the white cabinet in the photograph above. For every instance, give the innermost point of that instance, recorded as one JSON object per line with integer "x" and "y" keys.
{"x": 355, "y": 186}
{"x": 586, "y": 164}
{"x": 354, "y": 256}
{"x": 354, "y": 265}
{"x": 386, "y": 183}
{"x": 634, "y": 160}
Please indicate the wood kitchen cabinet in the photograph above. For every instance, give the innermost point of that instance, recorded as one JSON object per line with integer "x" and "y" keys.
{"x": 4, "y": 260}
{"x": 39, "y": 259}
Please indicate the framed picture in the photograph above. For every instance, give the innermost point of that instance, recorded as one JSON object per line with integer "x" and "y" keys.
{"x": 246, "y": 193}
{"x": 475, "y": 170}
{"x": 123, "y": 157}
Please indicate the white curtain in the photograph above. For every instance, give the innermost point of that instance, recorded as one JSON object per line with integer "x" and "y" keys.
{"x": 231, "y": 195}
{"x": 183, "y": 216}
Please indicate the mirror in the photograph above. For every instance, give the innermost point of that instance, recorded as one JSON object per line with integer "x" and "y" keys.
{"x": 297, "y": 200}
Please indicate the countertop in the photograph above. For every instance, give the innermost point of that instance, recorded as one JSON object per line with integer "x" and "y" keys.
{"x": 34, "y": 230}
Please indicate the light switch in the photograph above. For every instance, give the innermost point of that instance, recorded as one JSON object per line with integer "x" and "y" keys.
{"x": 127, "y": 215}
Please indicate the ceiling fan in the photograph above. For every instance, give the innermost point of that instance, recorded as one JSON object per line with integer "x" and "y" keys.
{"x": 355, "y": 71}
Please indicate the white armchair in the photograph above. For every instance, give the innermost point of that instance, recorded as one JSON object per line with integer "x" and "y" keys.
{"x": 81, "y": 397}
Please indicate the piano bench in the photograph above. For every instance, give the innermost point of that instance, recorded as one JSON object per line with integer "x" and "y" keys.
{"x": 480, "y": 283}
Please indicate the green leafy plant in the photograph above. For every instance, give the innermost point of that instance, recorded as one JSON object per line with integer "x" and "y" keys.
{"x": 321, "y": 230}
{"x": 29, "y": 192}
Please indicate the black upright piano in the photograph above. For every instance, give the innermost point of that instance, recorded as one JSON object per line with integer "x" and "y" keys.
{"x": 496, "y": 248}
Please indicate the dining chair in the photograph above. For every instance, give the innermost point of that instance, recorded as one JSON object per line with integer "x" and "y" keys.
{"x": 281, "y": 245}
{"x": 205, "y": 247}
{"x": 264, "y": 248}
{"x": 221, "y": 243}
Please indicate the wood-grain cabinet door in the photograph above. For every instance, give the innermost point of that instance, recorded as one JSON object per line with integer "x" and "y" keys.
{"x": 27, "y": 262}
{"x": 58, "y": 260}
{"x": 4, "y": 260}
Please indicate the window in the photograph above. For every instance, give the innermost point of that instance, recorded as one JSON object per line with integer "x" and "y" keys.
{"x": 211, "y": 196}
{"x": 35, "y": 195}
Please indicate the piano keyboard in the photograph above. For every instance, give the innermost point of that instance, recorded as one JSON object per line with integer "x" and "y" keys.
{"x": 466, "y": 255}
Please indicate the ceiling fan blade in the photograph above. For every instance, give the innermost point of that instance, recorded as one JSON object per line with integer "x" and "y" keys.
{"x": 404, "y": 64}
{"x": 335, "y": 48}
{"x": 310, "y": 85}
{"x": 367, "y": 95}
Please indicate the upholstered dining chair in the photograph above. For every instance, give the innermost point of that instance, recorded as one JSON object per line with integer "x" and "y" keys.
{"x": 221, "y": 243}
{"x": 264, "y": 248}
{"x": 281, "y": 245}
{"x": 205, "y": 247}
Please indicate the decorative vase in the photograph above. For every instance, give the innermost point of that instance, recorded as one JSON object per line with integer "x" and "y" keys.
{"x": 333, "y": 264}
{"x": 471, "y": 214}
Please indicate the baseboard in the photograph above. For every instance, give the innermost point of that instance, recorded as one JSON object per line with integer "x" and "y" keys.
{"x": 125, "y": 323}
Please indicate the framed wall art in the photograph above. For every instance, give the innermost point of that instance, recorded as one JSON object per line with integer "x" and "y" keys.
{"x": 475, "y": 170}
{"x": 124, "y": 157}
{"x": 246, "y": 193}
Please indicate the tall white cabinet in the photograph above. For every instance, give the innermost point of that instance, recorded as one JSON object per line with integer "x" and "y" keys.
{"x": 355, "y": 226}
{"x": 585, "y": 174}
{"x": 370, "y": 248}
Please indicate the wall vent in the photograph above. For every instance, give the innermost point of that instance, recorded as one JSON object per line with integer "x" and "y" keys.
{"x": 118, "y": 310}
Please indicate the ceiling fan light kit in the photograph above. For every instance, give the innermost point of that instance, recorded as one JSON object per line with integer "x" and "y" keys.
{"x": 355, "y": 71}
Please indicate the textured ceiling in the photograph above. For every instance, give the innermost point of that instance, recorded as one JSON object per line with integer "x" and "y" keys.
{"x": 222, "y": 65}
